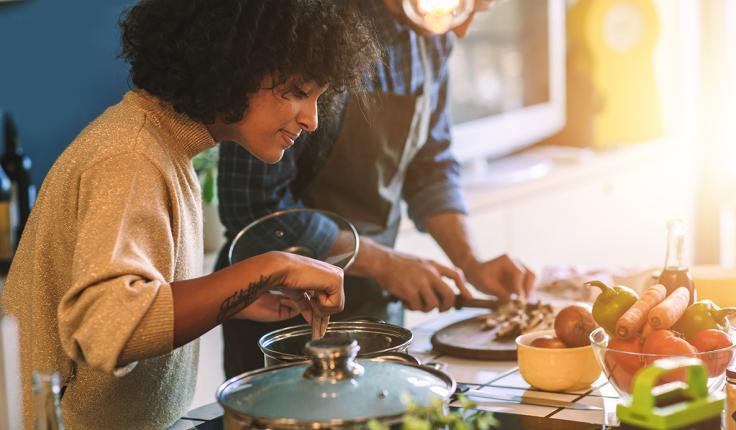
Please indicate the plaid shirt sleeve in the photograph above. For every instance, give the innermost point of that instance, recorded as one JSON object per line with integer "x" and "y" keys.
{"x": 432, "y": 182}
{"x": 249, "y": 189}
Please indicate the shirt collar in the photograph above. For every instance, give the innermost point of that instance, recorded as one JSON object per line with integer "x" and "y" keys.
{"x": 387, "y": 27}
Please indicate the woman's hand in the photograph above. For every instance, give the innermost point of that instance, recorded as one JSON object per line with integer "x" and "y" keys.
{"x": 303, "y": 286}
{"x": 243, "y": 290}
{"x": 271, "y": 307}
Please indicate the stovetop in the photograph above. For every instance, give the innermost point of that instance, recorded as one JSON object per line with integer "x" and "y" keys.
{"x": 507, "y": 421}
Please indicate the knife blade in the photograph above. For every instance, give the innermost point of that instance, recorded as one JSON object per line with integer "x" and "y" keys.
{"x": 529, "y": 400}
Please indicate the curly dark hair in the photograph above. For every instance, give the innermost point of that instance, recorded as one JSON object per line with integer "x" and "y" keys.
{"x": 204, "y": 57}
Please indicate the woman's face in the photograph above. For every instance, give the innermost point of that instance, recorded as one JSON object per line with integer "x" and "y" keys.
{"x": 274, "y": 119}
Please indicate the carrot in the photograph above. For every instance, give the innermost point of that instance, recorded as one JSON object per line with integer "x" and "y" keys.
{"x": 646, "y": 331}
{"x": 629, "y": 324}
{"x": 666, "y": 314}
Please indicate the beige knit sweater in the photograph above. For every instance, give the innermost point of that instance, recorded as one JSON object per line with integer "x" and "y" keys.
{"x": 118, "y": 218}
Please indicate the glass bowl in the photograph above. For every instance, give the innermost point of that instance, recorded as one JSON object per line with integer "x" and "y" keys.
{"x": 621, "y": 366}
{"x": 312, "y": 233}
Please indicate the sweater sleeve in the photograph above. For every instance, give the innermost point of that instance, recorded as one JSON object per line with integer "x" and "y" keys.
{"x": 119, "y": 308}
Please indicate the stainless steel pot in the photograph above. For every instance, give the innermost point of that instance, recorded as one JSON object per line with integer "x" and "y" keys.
{"x": 332, "y": 390}
{"x": 375, "y": 338}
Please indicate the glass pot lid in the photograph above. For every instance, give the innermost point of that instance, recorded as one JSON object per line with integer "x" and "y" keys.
{"x": 333, "y": 387}
{"x": 313, "y": 233}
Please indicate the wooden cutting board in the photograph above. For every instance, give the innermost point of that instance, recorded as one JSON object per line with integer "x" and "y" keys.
{"x": 466, "y": 339}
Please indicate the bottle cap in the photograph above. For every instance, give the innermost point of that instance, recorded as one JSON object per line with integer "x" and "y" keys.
{"x": 731, "y": 372}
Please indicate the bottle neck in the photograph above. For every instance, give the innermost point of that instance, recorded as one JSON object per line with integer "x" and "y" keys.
{"x": 12, "y": 146}
{"x": 675, "y": 251}
{"x": 46, "y": 388}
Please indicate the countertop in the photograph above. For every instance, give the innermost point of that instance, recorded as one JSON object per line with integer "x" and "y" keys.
{"x": 500, "y": 377}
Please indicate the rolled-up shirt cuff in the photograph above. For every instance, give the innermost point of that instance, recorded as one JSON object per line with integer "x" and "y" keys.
{"x": 437, "y": 198}
{"x": 319, "y": 235}
{"x": 154, "y": 335}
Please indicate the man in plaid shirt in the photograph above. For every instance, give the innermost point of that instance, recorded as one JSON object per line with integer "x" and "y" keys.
{"x": 362, "y": 166}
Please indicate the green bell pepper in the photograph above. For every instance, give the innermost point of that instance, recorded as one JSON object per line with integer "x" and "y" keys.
{"x": 703, "y": 315}
{"x": 611, "y": 304}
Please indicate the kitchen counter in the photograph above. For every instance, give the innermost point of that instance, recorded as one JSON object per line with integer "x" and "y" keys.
{"x": 498, "y": 377}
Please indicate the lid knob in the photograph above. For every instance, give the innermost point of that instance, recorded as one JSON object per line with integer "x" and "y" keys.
{"x": 333, "y": 358}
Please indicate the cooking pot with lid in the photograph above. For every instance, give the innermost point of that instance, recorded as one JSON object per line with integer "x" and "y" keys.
{"x": 374, "y": 337}
{"x": 332, "y": 390}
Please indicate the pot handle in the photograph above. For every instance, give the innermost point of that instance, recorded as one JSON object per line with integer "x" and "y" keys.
{"x": 400, "y": 357}
{"x": 435, "y": 365}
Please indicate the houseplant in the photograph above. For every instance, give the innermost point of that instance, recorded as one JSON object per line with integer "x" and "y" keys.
{"x": 205, "y": 165}
{"x": 435, "y": 416}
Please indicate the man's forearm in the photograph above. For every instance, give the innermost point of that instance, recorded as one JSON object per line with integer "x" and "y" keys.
{"x": 450, "y": 231}
{"x": 371, "y": 258}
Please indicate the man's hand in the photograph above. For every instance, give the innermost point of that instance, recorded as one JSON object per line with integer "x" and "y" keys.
{"x": 418, "y": 282}
{"x": 501, "y": 277}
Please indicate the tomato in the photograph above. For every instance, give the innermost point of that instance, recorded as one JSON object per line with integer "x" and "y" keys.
{"x": 714, "y": 340}
{"x": 655, "y": 338}
{"x": 621, "y": 377}
{"x": 622, "y": 352}
{"x": 665, "y": 343}
{"x": 710, "y": 340}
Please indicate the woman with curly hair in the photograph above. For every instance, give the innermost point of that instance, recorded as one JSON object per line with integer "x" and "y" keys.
{"x": 107, "y": 283}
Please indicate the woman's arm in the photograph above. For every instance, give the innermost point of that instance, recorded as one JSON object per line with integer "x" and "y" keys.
{"x": 202, "y": 303}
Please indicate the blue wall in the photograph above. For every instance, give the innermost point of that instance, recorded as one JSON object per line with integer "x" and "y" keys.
{"x": 58, "y": 70}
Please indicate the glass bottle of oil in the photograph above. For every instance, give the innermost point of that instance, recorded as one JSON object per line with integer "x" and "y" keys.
{"x": 730, "y": 416}
{"x": 675, "y": 273}
{"x": 46, "y": 389}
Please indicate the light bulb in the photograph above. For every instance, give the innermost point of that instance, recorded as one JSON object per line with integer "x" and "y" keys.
{"x": 438, "y": 16}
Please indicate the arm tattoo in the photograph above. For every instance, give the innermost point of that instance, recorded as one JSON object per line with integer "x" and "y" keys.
{"x": 246, "y": 296}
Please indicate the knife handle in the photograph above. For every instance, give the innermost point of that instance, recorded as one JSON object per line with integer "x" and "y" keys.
{"x": 462, "y": 302}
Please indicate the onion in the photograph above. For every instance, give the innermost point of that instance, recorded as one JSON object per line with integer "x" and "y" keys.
{"x": 547, "y": 341}
{"x": 573, "y": 325}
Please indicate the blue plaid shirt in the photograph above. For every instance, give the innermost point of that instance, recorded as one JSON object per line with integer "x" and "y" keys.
{"x": 249, "y": 188}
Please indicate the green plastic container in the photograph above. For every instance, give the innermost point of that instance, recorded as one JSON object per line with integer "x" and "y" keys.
{"x": 674, "y": 405}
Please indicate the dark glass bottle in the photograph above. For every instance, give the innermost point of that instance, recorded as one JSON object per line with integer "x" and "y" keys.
{"x": 675, "y": 272}
{"x": 8, "y": 223}
{"x": 18, "y": 168}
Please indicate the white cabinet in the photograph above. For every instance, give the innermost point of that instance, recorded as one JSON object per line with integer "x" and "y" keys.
{"x": 606, "y": 211}
{"x": 488, "y": 227}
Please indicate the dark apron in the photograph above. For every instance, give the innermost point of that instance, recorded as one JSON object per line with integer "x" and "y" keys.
{"x": 361, "y": 180}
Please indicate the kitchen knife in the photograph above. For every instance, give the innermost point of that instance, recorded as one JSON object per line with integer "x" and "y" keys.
{"x": 461, "y": 302}
{"x": 527, "y": 400}
{"x": 492, "y": 304}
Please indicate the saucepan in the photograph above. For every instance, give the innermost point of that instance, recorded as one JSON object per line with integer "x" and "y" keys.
{"x": 332, "y": 390}
{"x": 375, "y": 338}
